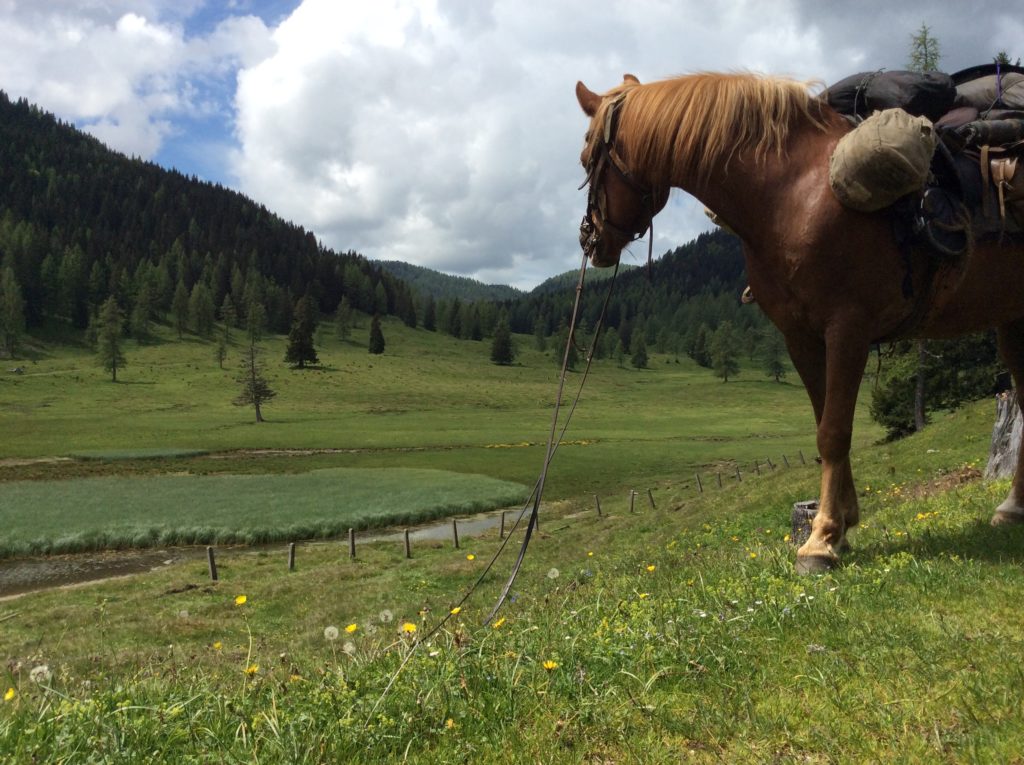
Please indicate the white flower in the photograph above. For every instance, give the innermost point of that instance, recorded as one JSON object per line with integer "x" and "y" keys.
{"x": 183, "y": 614}
{"x": 349, "y": 647}
{"x": 40, "y": 674}
{"x": 385, "y": 616}
{"x": 331, "y": 633}
{"x": 553, "y": 573}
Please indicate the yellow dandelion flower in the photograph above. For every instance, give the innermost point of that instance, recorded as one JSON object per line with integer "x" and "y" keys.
{"x": 408, "y": 628}
{"x": 785, "y": 538}
{"x": 294, "y": 678}
{"x": 651, "y": 567}
{"x": 590, "y": 554}
{"x": 217, "y": 645}
{"x": 470, "y": 556}
{"x": 550, "y": 665}
{"x": 753, "y": 555}
{"x": 449, "y": 723}
{"x": 455, "y": 610}
{"x": 498, "y": 623}
{"x": 252, "y": 669}
{"x": 644, "y": 595}
{"x": 735, "y": 538}
{"x": 351, "y": 628}
{"x": 240, "y": 600}
{"x": 11, "y": 693}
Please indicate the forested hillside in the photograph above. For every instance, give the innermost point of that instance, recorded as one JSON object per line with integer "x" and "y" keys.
{"x": 427, "y": 281}
{"x": 79, "y": 223}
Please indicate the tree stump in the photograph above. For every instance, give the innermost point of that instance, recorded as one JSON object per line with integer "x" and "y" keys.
{"x": 803, "y": 514}
{"x": 1006, "y": 436}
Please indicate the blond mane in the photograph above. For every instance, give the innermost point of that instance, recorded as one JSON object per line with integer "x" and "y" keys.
{"x": 690, "y": 125}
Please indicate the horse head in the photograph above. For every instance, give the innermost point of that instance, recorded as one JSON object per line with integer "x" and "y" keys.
{"x": 620, "y": 203}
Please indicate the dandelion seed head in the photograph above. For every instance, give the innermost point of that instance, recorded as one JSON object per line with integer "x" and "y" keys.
{"x": 331, "y": 632}
{"x": 553, "y": 573}
{"x": 386, "y": 616}
{"x": 349, "y": 647}
{"x": 40, "y": 674}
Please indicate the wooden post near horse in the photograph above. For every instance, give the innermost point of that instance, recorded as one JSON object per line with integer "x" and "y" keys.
{"x": 770, "y": 463}
{"x": 802, "y": 460}
{"x": 700, "y": 486}
{"x": 597, "y": 502}
{"x": 718, "y": 475}
{"x": 455, "y": 533}
{"x": 291, "y": 556}
{"x": 785, "y": 461}
{"x": 212, "y": 563}
{"x": 352, "y": 543}
{"x": 739, "y": 478}
{"x": 501, "y": 528}
{"x": 632, "y": 497}
{"x": 408, "y": 545}
{"x": 650, "y": 498}
{"x": 757, "y": 467}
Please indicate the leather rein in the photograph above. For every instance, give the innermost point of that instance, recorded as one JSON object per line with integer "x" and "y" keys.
{"x": 605, "y": 156}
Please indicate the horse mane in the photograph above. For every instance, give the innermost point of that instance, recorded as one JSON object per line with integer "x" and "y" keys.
{"x": 691, "y": 124}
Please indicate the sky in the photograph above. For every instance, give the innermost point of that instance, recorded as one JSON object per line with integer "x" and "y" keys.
{"x": 444, "y": 133}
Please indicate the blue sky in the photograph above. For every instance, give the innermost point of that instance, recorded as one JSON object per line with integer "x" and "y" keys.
{"x": 439, "y": 132}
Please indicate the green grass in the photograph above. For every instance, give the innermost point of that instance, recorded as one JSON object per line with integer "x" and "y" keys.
{"x": 114, "y": 512}
{"x": 672, "y": 634}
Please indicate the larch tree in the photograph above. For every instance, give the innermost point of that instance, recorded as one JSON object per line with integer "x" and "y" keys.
{"x": 255, "y": 391}
{"x": 300, "y": 350}
{"x": 376, "y": 336}
{"x": 109, "y": 336}
{"x": 12, "y": 313}
{"x": 502, "y": 350}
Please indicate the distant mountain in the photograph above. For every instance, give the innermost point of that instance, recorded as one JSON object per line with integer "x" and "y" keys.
{"x": 440, "y": 286}
{"x": 568, "y": 280}
{"x": 80, "y": 223}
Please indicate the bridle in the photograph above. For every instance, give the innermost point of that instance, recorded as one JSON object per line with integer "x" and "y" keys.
{"x": 603, "y": 157}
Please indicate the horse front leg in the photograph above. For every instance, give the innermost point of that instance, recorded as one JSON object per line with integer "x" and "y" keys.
{"x": 1011, "y": 349}
{"x": 845, "y": 355}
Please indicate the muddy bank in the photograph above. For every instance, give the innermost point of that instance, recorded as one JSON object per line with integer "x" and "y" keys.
{"x": 19, "y": 576}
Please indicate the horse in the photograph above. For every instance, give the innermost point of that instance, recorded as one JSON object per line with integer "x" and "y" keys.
{"x": 755, "y": 150}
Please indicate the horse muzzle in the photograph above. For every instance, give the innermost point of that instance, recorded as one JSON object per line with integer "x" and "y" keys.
{"x": 591, "y": 241}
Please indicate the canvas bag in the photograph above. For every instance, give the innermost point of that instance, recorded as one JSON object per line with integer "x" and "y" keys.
{"x": 884, "y": 158}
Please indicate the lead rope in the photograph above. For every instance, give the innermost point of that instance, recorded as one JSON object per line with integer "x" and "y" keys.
{"x": 538, "y": 489}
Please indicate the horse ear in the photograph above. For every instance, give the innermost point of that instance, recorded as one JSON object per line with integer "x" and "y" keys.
{"x": 588, "y": 99}
{"x": 630, "y": 78}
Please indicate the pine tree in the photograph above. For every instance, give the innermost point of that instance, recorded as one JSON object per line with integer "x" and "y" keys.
{"x": 229, "y": 316}
{"x": 12, "y": 313}
{"x": 924, "y": 51}
{"x": 724, "y": 349}
{"x": 300, "y": 349}
{"x": 109, "y": 331}
{"x": 255, "y": 322}
{"x": 430, "y": 315}
{"x": 220, "y": 353}
{"x": 201, "y": 310}
{"x": 639, "y": 358}
{"x": 773, "y": 354}
{"x": 142, "y": 313}
{"x": 502, "y": 349}
{"x": 343, "y": 319}
{"x": 255, "y": 388}
{"x": 376, "y": 336}
{"x": 179, "y": 308}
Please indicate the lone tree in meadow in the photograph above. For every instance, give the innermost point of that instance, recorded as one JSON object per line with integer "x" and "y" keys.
{"x": 255, "y": 388}
{"x": 300, "y": 349}
{"x": 109, "y": 334}
{"x": 773, "y": 354}
{"x": 724, "y": 348}
{"x": 376, "y": 336}
{"x": 12, "y": 312}
{"x": 639, "y": 358}
{"x": 503, "y": 352}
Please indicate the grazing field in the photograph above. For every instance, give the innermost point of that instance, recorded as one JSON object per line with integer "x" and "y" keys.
{"x": 673, "y": 634}
{"x": 114, "y": 512}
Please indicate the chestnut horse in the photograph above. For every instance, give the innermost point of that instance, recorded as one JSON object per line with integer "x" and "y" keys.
{"x": 756, "y": 151}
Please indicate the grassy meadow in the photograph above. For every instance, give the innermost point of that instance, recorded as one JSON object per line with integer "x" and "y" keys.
{"x": 677, "y": 633}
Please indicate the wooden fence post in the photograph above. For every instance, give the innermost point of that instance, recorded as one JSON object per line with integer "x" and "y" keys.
{"x": 352, "y": 543}
{"x": 700, "y": 485}
{"x": 212, "y": 563}
{"x": 455, "y": 533}
{"x": 650, "y": 498}
{"x": 501, "y": 529}
{"x": 802, "y": 460}
{"x": 408, "y": 545}
{"x": 757, "y": 467}
{"x": 291, "y": 556}
{"x": 785, "y": 461}
{"x": 739, "y": 478}
{"x": 597, "y": 501}
{"x": 719, "y": 476}
{"x": 770, "y": 463}
{"x": 632, "y": 497}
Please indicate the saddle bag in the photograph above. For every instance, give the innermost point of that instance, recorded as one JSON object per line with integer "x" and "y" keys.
{"x": 922, "y": 94}
{"x": 1007, "y": 178}
{"x": 884, "y": 158}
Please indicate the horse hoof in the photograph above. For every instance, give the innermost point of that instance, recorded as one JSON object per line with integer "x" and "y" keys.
{"x": 1002, "y": 518}
{"x": 815, "y": 564}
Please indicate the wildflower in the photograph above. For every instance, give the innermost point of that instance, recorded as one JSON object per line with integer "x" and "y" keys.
{"x": 753, "y": 555}
{"x": 785, "y": 538}
{"x": 644, "y": 595}
{"x": 498, "y": 623}
{"x": 331, "y": 633}
{"x": 40, "y": 674}
{"x": 455, "y": 610}
{"x": 351, "y": 628}
{"x": 470, "y": 556}
{"x": 735, "y": 538}
{"x": 449, "y": 723}
{"x": 651, "y": 567}
{"x": 294, "y": 678}
{"x": 408, "y": 628}
{"x": 183, "y": 614}
{"x": 590, "y": 554}
{"x": 385, "y": 616}
{"x": 553, "y": 573}
{"x": 349, "y": 647}
{"x": 252, "y": 669}
{"x": 240, "y": 600}
{"x": 217, "y": 645}
{"x": 11, "y": 693}
{"x": 550, "y": 665}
